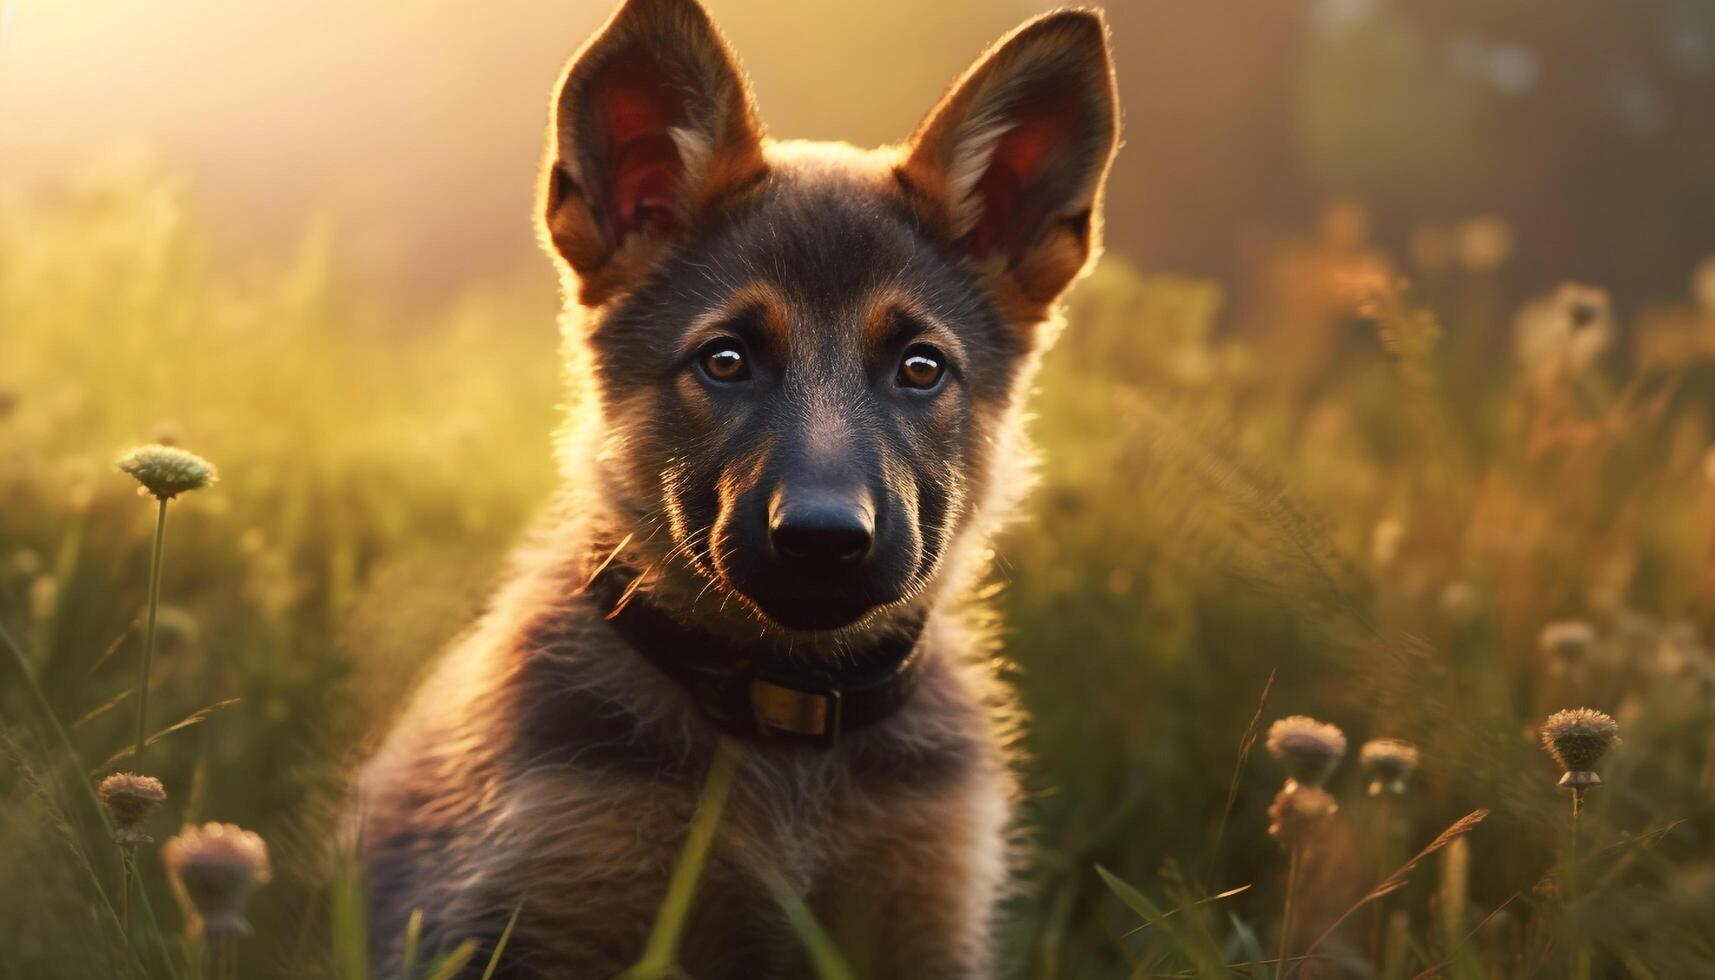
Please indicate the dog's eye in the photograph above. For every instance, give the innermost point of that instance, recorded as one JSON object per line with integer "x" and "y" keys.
{"x": 921, "y": 367}
{"x": 723, "y": 360}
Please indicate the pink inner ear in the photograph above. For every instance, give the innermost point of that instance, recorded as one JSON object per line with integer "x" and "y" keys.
{"x": 1009, "y": 189}
{"x": 637, "y": 106}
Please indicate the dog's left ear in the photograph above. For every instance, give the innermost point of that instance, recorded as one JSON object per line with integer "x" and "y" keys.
{"x": 653, "y": 128}
{"x": 1009, "y": 167}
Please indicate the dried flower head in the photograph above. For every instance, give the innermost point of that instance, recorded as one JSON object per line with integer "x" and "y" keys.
{"x": 1298, "y": 813}
{"x": 128, "y": 799}
{"x": 1309, "y": 749}
{"x": 1484, "y": 243}
{"x": 1568, "y": 641}
{"x": 1460, "y": 602}
{"x": 1385, "y": 541}
{"x": 213, "y": 869}
{"x": 1703, "y": 285}
{"x": 1578, "y": 738}
{"x": 1388, "y": 762}
{"x": 167, "y": 472}
{"x": 1678, "y": 651}
{"x": 1572, "y": 328}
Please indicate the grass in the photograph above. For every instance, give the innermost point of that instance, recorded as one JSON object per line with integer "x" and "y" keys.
{"x": 1342, "y": 503}
{"x": 660, "y": 951}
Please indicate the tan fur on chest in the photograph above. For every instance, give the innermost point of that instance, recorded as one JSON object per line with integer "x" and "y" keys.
{"x": 890, "y": 832}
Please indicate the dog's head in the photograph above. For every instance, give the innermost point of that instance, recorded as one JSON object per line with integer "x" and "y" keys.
{"x": 807, "y": 359}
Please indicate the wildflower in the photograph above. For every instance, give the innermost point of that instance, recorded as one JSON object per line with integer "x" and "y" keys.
{"x": 1460, "y": 602}
{"x": 214, "y": 868}
{"x": 1573, "y": 327}
{"x": 1298, "y": 813}
{"x": 166, "y": 472}
{"x": 128, "y": 799}
{"x": 1703, "y": 285}
{"x": 1309, "y": 749}
{"x": 1578, "y": 739}
{"x": 1385, "y": 542}
{"x": 1678, "y": 650}
{"x": 1567, "y": 644}
{"x": 1389, "y": 762}
{"x": 44, "y": 598}
{"x": 1484, "y": 243}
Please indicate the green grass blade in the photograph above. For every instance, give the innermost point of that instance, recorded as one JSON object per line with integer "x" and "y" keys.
{"x": 455, "y": 961}
{"x": 1206, "y": 962}
{"x": 663, "y": 942}
{"x": 1134, "y": 899}
{"x": 350, "y": 927}
{"x": 1250, "y": 948}
{"x": 824, "y": 955}
{"x": 500, "y": 947}
{"x": 413, "y": 938}
{"x": 92, "y": 806}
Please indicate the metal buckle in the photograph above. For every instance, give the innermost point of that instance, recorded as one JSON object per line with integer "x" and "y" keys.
{"x": 782, "y": 709}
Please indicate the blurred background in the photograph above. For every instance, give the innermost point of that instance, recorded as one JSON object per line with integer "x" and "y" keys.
{"x": 415, "y": 127}
{"x": 1398, "y": 372}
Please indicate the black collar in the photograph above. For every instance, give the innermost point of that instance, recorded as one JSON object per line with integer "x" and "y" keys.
{"x": 764, "y": 696}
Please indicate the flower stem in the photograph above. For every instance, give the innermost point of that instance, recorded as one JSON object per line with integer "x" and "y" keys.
{"x": 1286, "y": 912}
{"x": 149, "y": 637}
{"x": 1383, "y": 860}
{"x": 125, "y": 895}
{"x": 1574, "y": 884}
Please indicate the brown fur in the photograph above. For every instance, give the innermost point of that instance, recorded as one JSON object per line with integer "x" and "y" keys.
{"x": 544, "y": 763}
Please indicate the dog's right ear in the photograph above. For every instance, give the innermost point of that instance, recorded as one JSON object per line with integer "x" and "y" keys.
{"x": 653, "y": 128}
{"x": 1009, "y": 167}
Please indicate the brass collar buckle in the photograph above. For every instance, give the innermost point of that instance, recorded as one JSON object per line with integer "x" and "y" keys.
{"x": 781, "y": 709}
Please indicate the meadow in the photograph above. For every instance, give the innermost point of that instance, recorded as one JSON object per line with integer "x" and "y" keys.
{"x": 1375, "y": 493}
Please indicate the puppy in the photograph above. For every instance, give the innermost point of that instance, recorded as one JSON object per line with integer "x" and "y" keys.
{"x": 797, "y": 375}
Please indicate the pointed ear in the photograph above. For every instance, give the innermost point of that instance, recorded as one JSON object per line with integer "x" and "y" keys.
{"x": 1009, "y": 167}
{"x": 652, "y": 129}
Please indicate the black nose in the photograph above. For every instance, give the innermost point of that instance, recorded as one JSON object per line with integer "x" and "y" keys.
{"x": 822, "y": 533}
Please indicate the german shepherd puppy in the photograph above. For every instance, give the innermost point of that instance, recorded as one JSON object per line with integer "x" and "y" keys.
{"x": 797, "y": 377}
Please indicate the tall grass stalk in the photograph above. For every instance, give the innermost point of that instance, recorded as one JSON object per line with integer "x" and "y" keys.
{"x": 825, "y": 958}
{"x": 500, "y": 945}
{"x": 1397, "y": 880}
{"x": 1246, "y": 743}
{"x": 413, "y": 939}
{"x": 348, "y": 918}
{"x": 663, "y": 942}
{"x": 27, "y": 681}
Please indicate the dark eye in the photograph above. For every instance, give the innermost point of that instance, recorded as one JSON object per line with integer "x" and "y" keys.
{"x": 723, "y": 360}
{"x": 921, "y": 367}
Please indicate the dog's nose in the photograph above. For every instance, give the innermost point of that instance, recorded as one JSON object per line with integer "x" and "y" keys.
{"x": 821, "y": 533}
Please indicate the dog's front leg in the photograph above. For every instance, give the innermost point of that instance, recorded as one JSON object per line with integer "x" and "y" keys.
{"x": 917, "y": 897}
